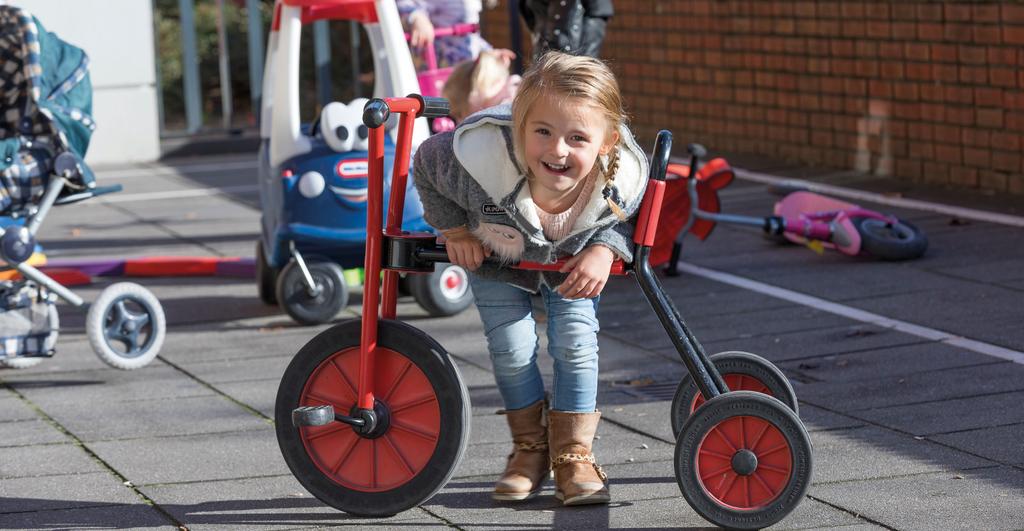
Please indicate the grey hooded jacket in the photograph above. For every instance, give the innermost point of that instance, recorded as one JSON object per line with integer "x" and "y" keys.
{"x": 469, "y": 177}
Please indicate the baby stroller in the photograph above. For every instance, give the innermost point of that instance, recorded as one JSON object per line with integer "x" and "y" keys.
{"x": 45, "y": 126}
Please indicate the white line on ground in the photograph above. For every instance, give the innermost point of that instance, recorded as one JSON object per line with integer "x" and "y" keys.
{"x": 913, "y": 204}
{"x": 177, "y": 194}
{"x": 930, "y": 334}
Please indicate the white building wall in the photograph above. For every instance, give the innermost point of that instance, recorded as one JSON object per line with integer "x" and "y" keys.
{"x": 118, "y": 37}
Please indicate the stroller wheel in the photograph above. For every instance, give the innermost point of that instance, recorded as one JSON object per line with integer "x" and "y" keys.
{"x": 743, "y": 461}
{"x": 266, "y": 277}
{"x": 444, "y": 292}
{"x": 742, "y": 371}
{"x": 310, "y": 309}
{"x": 126, "y": 326}
{"x": 420, "y": 397}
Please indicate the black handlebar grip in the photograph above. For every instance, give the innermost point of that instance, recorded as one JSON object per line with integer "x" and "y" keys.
{"x": 662, "y": 152}
{"x": 697, "y": 150}
{"x": 432, "y": 107}
{"x": 375, "y": 113}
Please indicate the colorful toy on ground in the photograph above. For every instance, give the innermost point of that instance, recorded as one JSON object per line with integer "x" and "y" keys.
{"x": 819, "y": 222}
{"x": 313, "y": 178}
{"x": 44, "y": 132}
{"x": 373, "y": 417}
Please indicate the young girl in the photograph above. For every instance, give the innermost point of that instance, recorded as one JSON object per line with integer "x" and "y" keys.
{"x": 555, "y": 177}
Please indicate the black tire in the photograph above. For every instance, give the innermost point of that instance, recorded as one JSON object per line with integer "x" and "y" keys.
{"x": 741, "y": 371}
{"x": 295, "y": 300}
{"x": 898, "y": 241}
{"x": 398, "y": 341}
{"x": 737, "y": 493}
{"x": 444, "y": 292}
{"x": 266, "y": 277}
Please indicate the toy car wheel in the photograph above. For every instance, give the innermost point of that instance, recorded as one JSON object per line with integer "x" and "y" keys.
{"x": 444, "y": 292}
{"x": 53, "y": 322}
{"x": 423, "y": 398}
{"x": 266, "y": 277}
{"x": 309, "y": 309}
{"x": 742, "y": 371}
{"x": 891, "y": 241}
{"x": 126, "y": 326}
{"x": 743, "y": 461}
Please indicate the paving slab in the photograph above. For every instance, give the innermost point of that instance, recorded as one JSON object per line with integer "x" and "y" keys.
{"x": 272, "y": 503}
{"x": 206, "y": 457}
{"x": 990, "y": 498}
{"x": 950, "y": 415}
{"x": 894, "y": 360}
{"x": 29, "y": 432}
{"x": 1001, "y": 443}
{"x": 157, "y": 381}
{"x": 103, "y": 516}
{"x": 13, "y": 408}
{"x": 28, "y": 495}
{"x": 47, "y": 459}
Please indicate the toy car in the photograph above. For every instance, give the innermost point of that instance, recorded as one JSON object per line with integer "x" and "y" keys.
{"x": 313, "y": 178}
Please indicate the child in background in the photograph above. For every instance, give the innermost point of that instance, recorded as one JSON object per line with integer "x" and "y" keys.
{"x": 476, "y": 85}
{"x": 554, "y": 176}
{"x": 570, "y": 26}
{"x": 420, "y": 17}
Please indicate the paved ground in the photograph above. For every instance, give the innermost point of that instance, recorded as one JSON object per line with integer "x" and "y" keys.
{"x": 912, "y": 428}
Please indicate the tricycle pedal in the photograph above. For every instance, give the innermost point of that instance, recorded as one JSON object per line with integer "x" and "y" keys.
{"x": 312, "y": 416}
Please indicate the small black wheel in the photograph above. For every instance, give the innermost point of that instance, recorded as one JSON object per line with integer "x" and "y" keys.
{"x": 421, "y": 393}
{"x": 743, "y": 460}
{"x": 444, "y": 292}
{"x": 266, "y": 277}
{"x": 891, "y": 241}
{"x": 311, "y": 309}
{"x": 742, "y": 371}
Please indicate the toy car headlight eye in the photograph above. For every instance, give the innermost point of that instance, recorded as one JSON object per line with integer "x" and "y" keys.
{"x": 363, "y": 132}
{"x": 342, "y": 132}
{"x": 311, "y": 184}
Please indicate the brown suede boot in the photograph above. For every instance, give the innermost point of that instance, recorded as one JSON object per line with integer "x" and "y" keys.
{"x": 529, "y": 463}
{"x": 579, "y": 479}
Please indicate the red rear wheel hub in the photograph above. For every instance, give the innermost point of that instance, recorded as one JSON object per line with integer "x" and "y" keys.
{"x": 382, "y": 463}
{"x": 744, "y": 462}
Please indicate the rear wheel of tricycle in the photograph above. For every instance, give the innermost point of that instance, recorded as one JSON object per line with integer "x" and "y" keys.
{"x": 126, "y": 326}
{"x": 742, "y": 371}
{"x": 891, "y": 241}
{"x": 266, "y": 277}
{"x": 743, "y": 460}
{"x": 312, "y": 308}
{"x": 418, "y": 389}
{"x": 444, "y": 292}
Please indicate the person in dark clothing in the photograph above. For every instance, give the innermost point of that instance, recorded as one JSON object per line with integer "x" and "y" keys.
{"x": 570, "y": 26}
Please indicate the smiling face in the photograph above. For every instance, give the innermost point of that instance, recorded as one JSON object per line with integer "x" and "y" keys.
{"x": 561, "y": 142}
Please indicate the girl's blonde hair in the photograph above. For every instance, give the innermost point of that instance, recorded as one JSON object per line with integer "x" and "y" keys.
{"x": 571, "y": 77}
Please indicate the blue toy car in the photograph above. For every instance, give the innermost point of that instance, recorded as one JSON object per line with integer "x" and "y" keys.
{"x": 313, "y": 178}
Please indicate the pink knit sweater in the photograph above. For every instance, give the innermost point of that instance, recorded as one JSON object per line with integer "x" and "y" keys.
{"x": 558, "y": 226}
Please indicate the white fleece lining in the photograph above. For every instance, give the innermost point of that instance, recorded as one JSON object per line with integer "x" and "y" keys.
{"x": 475, "y": 144}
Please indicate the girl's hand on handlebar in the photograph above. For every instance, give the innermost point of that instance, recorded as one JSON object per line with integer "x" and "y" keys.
{"x": 589, "y": 273}
{"x": 465, "y": 249}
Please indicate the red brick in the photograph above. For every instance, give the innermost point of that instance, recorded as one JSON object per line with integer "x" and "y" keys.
{"x": 878, "y": 29}
{"x": 991, "y": 180}
{"x": 971, "y": 136}
{"x": 945, "y": 53}
{"x": 854, "y": 28}
{"x": 977, "y": 157}
{"x": 1002, "y": 55}
{"x": 957, "y": 12}
{"x": 1002, "y": 77}
{"x": 879, "y": 89}
{"x": 1013, "y": 14}
{"x": 904, "y": 11}
{"x": 1015, "y": 121}
{"x": 931, "y": 12}
{"x": 988, "y": 96}
{"x": 915, "y": 51}
{"x": 958, "y": 32}
{"x": 936, "y": 173}
{"x": 948, "y": 153}
{"x": 986, "y": 34}
{"x": 964, "y": 177}
{"x": 973, "y": 75}
{"x": 960, "y": 115}
{"x": 1013, "y": 34}
{"x": 1015, "y": 184}
{"x": 959, "y": 94}
{"x": 852, "y": 9}
{"x": 1006, "y": 161}
{"x": 991, "y": 118}
{"x": 927, "y": 31}
{"x": 1006, "y": 141}
{"x": 974, "y": 55}
{"x": 890, "y": 50}
{"x": 906, "y": 91}
{"x": 877, "y": 10}
{"x": 985, "y": 13}
{"x": 919, "y": 71}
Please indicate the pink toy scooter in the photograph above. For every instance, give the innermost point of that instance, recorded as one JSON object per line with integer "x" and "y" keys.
{"x": 803, "y": 217}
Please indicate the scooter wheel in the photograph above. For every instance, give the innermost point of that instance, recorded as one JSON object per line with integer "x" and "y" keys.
{"x": 890, "y": 241}
{"x": 126, "y": 326}
{"x": 266, "y": 277}
{"x": 742, "y": 371}
{"x": 418, "y": 389}
{"x": 294, "y": 297}
{"x": 743, "y": 461}
{"x": 444, "y": 292}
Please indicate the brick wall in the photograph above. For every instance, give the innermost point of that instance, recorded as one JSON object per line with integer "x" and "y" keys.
{"x": 921, "y": 90}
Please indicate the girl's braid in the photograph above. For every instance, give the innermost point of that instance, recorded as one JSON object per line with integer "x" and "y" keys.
{"x": 610, "y": 192}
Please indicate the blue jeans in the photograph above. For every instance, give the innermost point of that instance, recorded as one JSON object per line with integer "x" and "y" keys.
{"x": 507, "y": 315}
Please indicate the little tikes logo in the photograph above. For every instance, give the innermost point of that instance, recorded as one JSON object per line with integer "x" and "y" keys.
{"x": 352, "y": 168}
{"x": 491, "y": 209}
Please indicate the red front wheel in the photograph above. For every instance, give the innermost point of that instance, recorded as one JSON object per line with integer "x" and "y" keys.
{"x": 743, "y": 460}
{"x": 421, "y": 403}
